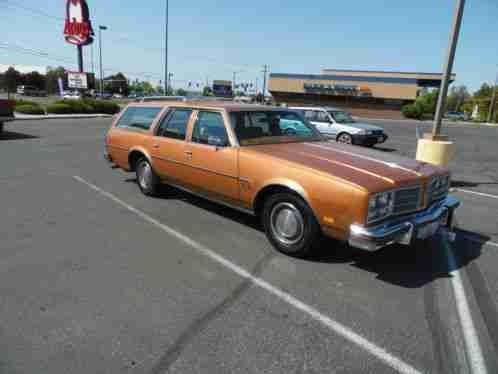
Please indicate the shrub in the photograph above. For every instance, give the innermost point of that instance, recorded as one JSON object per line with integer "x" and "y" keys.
{"x": 29, "y": 109}
{"x": 412, "y": 111}
{"x": 21, "y": 102}
{"x": 77, "y": 106}
{"x": 59, "y": 108}
{"x": 103, "y": 107}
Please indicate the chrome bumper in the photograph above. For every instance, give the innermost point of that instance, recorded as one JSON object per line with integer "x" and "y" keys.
{"x": 401, "y": 230}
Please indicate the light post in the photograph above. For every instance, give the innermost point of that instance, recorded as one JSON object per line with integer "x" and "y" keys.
{"x": 166, "y": 74}
{"x": 435, "y": 148}
{"x": 170, "y": 75}
{"x": 492, "y": 105}
{"x": 101, "y": 28}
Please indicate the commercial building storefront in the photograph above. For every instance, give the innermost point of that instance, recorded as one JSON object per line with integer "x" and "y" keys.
{"x": 372, "y": 93}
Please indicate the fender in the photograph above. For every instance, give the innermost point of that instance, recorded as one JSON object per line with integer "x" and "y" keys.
{"x": 143, "y": 151}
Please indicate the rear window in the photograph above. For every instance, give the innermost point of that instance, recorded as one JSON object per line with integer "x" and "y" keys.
{"x": 138, "y": 118}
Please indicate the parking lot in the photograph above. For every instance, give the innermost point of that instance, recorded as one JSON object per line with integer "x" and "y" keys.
{"x": 97, "y": 278}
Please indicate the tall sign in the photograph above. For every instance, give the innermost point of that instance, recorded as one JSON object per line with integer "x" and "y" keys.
{"x": 78, "y": 29}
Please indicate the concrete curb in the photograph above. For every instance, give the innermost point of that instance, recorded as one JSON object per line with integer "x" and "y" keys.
{"x": 428, "y": 122}
{"x": 59, "y": 116}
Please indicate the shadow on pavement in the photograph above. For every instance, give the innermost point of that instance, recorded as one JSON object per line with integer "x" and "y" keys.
{"x": 9, "y": 135}
{"x": 409, "y": 267}
{"x": 385, "y": 149}
{"x": 457, "y": 184}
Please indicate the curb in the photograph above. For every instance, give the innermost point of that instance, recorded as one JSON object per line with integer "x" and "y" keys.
{"x": 425, "y": 122}
{"x": 61, "y": 116}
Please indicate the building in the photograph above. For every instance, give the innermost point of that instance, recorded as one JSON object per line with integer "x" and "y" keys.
{"x": 364, "y": 93}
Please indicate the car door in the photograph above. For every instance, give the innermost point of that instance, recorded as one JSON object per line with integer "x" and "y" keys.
{"x": 319, "y": 119}
{"x": 168, "y": 148}
{"x": 212, "y": 158}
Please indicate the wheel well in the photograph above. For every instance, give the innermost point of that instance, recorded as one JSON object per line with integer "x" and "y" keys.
{"x": 133, "y": 158}
{"x": 266, "y": 192}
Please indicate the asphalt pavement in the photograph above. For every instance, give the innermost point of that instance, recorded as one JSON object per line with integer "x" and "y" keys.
{"x": 97, "y": 278}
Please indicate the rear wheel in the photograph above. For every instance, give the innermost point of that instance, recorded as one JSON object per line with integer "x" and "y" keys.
{"x": 290, "y": 224}
{"x": 345, "y": 138}
{"x": 147, "y": 179}
{"x": 1, "y": 127}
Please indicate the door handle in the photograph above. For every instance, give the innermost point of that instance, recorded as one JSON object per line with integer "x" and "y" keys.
{"x": 188, "y": 153}
{"x": 155, "y": 146}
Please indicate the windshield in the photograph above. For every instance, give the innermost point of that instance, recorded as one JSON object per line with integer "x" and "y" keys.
{"x": 272, "y": 127}
{"x": 342, "y": 117}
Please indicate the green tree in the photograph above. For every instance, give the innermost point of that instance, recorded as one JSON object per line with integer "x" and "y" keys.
{"x": 456, "y": 99}
{"x": 181, "y": 92}
{"x": 12, "y": 79}
{"x": 53, "y": 75}
{"x": 35, "y": 79}
{"x": 206, "y": 91}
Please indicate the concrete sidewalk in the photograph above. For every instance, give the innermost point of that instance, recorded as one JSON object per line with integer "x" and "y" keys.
{"x": 27, "y": 117}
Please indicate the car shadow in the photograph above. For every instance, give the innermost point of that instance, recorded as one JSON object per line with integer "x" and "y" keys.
{"x": 408, "y": 267}
{"x": 463, "y": 184}
{"x": 385, "y": 149}
{"x": 9, "y": 135}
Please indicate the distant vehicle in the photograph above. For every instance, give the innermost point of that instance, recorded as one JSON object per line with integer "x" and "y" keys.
{"x": 340, "y": 125}
{"x": 244, "y": 99}
{"x": 104, "y": 96}
{"x": 148, "y": 99}
{"x": 6, "y": 112}
{"x": 117, "y": 96}
{"x": 30, "y": 91}
{"x": 456, "y": 116}
{"x": 72, "y": 95}
{"x": 134, "y": 96}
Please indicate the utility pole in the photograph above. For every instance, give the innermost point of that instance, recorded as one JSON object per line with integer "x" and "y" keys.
{"x": 166, "y": 74}
{"x": 265, "y": 71}
{"x": 492, "y": 105}
{"x": 101, "y": 28}
{"x": 457, "y": 22}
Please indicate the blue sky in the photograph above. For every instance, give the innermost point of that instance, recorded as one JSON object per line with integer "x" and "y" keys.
{"x": 210, "y": 39}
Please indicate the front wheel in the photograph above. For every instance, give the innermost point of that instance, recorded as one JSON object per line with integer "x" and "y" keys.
{"x": 147, "y": 179}
{"x": 290, "y": 224}
{"x": 345, "y": 138}
{"x": 1, "y": 127}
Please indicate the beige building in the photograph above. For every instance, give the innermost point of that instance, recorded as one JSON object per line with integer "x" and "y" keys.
{"x": 372, "y": 93}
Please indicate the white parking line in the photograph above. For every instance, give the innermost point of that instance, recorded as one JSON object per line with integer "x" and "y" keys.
{"x": 476, "y": 193}
{"x": 472, "y": 346}
{"x": 333, "y": 325}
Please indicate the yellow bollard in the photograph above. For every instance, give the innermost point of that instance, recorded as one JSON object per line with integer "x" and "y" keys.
{"x": 437, "y": 152}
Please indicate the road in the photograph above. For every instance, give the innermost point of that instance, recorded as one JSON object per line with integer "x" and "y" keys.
{"x": 97, "y": 278}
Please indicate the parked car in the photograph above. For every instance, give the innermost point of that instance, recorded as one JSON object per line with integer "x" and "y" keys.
{"x": 341, "y": 126}
{"x": 117, "y": 96}
{"x": 456, "y": 116}
{"x": 301, "y": 185}
{"x": 6, "y": 112}
{"x": 72, "y": 95}
{"x": 103, "y": 96}
{"x": 30, "y": 91}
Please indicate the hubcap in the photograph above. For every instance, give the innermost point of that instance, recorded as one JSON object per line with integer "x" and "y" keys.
{"x": 287, "y": 223}
{"x": 345, "y": 138}
{"x": 145, "y": 175}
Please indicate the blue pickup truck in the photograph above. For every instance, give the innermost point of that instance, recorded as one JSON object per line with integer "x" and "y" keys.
{"x": 6, "y": 112}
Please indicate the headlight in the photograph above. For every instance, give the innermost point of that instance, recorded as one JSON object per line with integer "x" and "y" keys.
{"x": 380, "y": 206}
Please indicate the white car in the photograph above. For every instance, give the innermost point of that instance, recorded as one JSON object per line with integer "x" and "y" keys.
{"x": 69, "y": 95}
{"x": 340, "y": 125}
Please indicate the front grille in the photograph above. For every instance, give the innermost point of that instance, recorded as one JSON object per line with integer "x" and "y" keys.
{"x": 407, "y": 200}
{"x": 377, "y": 132}
{"x": 438, "y": 188}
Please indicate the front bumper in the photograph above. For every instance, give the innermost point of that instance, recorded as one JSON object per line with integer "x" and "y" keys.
{"x": 369, "y": 139}
{"x": 402, "y": 230}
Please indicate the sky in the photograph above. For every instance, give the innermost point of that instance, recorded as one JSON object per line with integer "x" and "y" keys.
{"x": 212, "y": 39}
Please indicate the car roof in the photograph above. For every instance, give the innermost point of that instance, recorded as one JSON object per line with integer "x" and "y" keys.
{"x": 316, "y": 108}
{"x": 229, "y": 106}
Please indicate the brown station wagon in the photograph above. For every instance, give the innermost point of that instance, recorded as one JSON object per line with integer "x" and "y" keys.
{"x": 272, "y": 163}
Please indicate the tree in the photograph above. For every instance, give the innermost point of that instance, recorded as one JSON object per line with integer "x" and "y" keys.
{"x": 12, "y": 79}
{"x": 206, "y": 91}
{"x": 52, "y": 77}
{"x": 181, "y": 92}
{"x": 457, "y": 97}
{"x": 423, "y": 107}
{"x": 35, "y": 79}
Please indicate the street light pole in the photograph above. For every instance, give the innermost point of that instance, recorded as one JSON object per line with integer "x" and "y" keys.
{"x": 166, "y": 74}
{"x": 457, "y": 22}
{"x": 101, "y": 28}
{"x": 492, "y": 105}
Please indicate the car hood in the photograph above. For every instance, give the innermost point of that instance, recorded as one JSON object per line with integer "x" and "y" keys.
{"x": 363, "y": 126}
{"x": 369, "y": 169}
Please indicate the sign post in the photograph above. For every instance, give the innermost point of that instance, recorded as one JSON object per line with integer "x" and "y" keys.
{"x": 78, "y": 29}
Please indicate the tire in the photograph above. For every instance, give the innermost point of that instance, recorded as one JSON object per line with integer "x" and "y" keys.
{"x": 1, "y": 127}
{"x": 147, "y": 179}
{"x": 345, "y": 138}
{"x": 290, "y": 225}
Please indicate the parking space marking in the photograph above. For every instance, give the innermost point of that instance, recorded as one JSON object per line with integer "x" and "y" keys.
{"x": 313, "y": 313}
{"x": 476, "y": 193}
{"x": 471, "y": 340}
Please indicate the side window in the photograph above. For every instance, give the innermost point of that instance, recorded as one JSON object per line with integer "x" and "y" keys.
{"x": 138, "y": 118}
{"x": 310, "y": 115}
{"x": 210, "y": 129}
{"x": 175, "y": 125}
{"x": 322, "y": 117}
